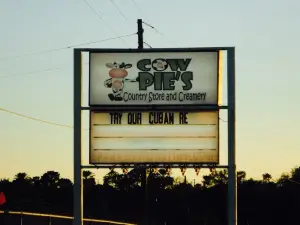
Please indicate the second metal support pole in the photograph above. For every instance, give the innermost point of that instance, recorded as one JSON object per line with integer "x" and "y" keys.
{"x": 78, "y": 188}
{"x": 232, "y": 183}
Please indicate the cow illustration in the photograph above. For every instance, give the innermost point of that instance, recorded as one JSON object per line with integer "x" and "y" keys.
{"x": 117, "y": 79}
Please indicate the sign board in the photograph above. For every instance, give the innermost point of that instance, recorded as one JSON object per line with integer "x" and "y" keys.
{"x": 154, "y": 137}
{"x": 154, "y": 78}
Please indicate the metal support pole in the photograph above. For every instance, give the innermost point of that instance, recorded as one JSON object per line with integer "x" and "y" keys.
{"x": 140, "y": 34}
{"x": 232, "y": 185}
{"x": 77, "y": 189}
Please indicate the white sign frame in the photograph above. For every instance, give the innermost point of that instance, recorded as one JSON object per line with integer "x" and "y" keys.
{"x": 204, "y": 133}
{"x": 204, "y": 67}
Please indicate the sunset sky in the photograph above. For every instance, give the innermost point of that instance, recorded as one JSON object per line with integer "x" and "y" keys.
{"x": 40, "y": 85}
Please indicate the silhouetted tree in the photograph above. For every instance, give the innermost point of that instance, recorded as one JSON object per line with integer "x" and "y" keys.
{"x": 169, "y": 200}
{"x": 36, "y": 181}
{"x": 64, "y": 183}
{"x": 295, "y": 174}
{"x": 112, "y": 179}
{"x": 215, "y": 178}
{"x": 88, "y": 179}
{"x": 50, "y": 179}
{"x": 241, "y": 176}
{"x": 267, "y": 177}
{"x": 22, "y": 177}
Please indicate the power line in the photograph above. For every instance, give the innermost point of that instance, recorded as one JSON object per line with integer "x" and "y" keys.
{"x": 45, "y": 121}
{"x": 147, "y": 44}
{"x": 64, "y": 48}
{"x": 137, "y": 7}
{"x": 30, "y": 73}
{"x": 37, "y": 119}
{"x": 33, "y": 118}
{"x": 101, "y": 18}
{"x": 152, "y": 27}
{"x": 157, "y": 31}
{"x": 34, "y": 72}
{"x": 119, "y": 10}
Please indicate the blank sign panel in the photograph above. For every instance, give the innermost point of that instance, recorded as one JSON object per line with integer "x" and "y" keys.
{"x": 154, "y": 143}
{"x": 154, "y": 156}
{"x": 155, "y": 131}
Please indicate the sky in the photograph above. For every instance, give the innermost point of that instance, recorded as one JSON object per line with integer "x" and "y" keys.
{"x": 40, "y": 85}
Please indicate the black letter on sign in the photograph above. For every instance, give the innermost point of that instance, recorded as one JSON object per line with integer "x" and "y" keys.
{"x": 145, "y": 80}
{"x": 186, "y": 78}
{"x": 169, "y": 78}
{"x": 179, "y": 64}
{"x": 183, "y": 118}
{"x": 141, "y": 65}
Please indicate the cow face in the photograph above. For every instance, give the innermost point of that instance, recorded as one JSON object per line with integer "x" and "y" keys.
{"x": 118, "y": 70}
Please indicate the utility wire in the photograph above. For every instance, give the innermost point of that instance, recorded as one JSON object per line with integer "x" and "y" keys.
{"x": 137, "y": 7}
{"x": 157, "y": 31}
{"x": 147, "y": 44}
{"x": 64, "y": 48}
{"x": 30, "y": 73}
{"x": 120, "y": 11}
{"x": 35, "y": 119}
{"x": 34, "y": 72}
{"x": 101, "y": 18}
{"x": 152, "y": 27}
{"x": 116, "y": 6}
{"x": 50, "y": 122}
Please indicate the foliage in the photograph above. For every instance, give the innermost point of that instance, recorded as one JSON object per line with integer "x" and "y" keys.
{"x": 169, "y": 201}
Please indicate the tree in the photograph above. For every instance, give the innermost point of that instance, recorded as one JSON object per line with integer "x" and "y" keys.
{"x": 295, "y": 174}
{"x": 22, "y": 177}
{"x": 166, "y": 179}
{"x": 50, "y": 179}
{"x": 36, "y": 180}
{"x": 88, "y": 179}
{"x": 87, "y": 174}
{"x": 111, "y": 179}
{"x": 283, "y": 180}
{"x": 64, "y": 183}
{"x": 167, "y": 203}
{"x": 267, "y": 177}
{"x": 160, "y": 180}
{"x": 126, "y": 181}
{"x": 215, "y": 178}
{"x": 241, "y": 176}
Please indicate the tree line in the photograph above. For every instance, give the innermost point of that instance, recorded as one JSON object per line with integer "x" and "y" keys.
{"x": 164, "y": 200}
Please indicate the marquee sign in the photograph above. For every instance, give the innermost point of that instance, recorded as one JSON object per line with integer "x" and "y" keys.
{"x": 155, "y": 106}
{"x": 154, "y": 137}
{"x": 154, "y": 78}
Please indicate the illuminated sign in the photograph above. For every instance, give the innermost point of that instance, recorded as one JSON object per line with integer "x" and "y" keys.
{"x": 154, "y": 137}
{"x": 159, "y": 78}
